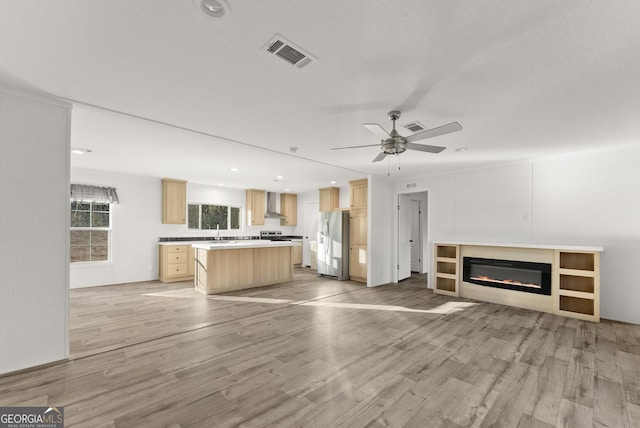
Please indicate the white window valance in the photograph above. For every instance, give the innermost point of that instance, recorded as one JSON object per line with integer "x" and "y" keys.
{"x": 87, "y": 193}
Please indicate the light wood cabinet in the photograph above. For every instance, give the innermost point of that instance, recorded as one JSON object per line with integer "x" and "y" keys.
{"x": 358, "y": 196}
{"x": 358, "y": 262}
{"x": 447, "y": 269}
{"x": 358, "y": 226}
{"x": 272, "y": 265}
{"x": 175, "y": 263}
{"x": 255, "y": 207}
{"x": 296, "y": 255}
{"x": 358, "y": 230}
{"x": 174, "y": 201}
{"x": 329, "y": 198}
{"x": 576, "y": 283}
{"x": 223, "y": 270}
{"x": 289, "y": 209}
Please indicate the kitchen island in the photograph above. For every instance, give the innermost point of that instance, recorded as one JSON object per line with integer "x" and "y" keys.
{"x": 234, "y": 265}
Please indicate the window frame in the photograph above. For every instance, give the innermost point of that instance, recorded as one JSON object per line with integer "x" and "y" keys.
{"x": 90, "y": 228}
{"x": 227, "y": 206}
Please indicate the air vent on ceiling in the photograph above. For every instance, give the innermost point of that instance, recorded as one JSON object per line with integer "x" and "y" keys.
{"x": 415, "y": 127}
{"x": 289, "y": 52}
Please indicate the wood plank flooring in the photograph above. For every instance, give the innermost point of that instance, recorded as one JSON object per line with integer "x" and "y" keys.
{"x": 323, "y": 353}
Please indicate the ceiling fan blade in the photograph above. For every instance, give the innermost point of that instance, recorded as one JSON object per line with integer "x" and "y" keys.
{"x": 377, "y": 129}
{"x": 425, "y": 148}
{"x": 434, "y": 132}
{"x": 356, "y": 147}
{"x": 380, "y": 156}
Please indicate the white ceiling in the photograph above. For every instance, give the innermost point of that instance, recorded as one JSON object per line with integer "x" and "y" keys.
{"x": 525, "y": 79}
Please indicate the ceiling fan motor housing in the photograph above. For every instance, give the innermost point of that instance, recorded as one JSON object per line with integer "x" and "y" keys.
{"x": 395, "y": 145}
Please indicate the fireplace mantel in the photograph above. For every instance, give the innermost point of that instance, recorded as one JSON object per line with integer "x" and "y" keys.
{"x": 533, "y": 246}
{"x": 575, "y": 278}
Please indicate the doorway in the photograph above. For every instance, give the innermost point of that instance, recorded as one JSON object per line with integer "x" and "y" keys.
{"x": 412, "y": 244}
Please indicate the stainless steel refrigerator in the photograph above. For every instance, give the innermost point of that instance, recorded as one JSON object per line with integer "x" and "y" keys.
{"x": 333, "y": 244}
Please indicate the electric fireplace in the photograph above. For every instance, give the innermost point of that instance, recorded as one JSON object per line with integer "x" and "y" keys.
{"x": 529, "y": 277}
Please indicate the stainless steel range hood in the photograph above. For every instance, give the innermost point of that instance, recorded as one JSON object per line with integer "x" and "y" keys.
{"x": 271, "y": 206}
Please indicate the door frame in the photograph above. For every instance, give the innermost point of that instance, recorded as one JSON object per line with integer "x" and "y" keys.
{"x": 426, "y": 264}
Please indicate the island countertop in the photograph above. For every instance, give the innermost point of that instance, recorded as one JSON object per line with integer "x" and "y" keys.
{"x": 230, "y": 245}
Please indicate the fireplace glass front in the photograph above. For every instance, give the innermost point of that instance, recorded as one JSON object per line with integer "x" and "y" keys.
{"x": 530, "y": 277}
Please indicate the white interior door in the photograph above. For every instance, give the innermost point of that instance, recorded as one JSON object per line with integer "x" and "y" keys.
{"x": 311, "y": 210}
{"x": 404, "y": 237}
{"x": 416, "y": 234}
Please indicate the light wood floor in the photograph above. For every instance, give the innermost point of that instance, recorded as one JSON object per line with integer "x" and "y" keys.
{"x": 321, "y": 353}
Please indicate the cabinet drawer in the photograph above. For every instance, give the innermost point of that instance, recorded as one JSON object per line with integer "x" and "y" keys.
{"x": 181, "y": 257}
{"x": 177, "y": 269}
{"x": 178, "y": 249}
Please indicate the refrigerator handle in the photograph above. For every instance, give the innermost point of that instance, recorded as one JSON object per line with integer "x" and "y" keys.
{"x": 326, "y": 234}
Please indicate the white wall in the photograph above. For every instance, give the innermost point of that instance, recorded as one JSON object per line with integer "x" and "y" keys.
{"x": 137, "y": 226}
{"x": 381, "y": 232}
{"x": 589, "y": 198}
{"x": 34, "y": 234}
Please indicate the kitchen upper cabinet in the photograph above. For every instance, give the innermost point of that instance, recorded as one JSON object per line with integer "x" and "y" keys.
{"x": 358, "y": 195}
{"x": 329, "y": 198}
{"x": 255, "y": 207}
{"x": 174, "y": 201}
{"x": 289, "y": 209}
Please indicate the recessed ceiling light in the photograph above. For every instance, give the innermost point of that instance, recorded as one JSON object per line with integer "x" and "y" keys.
{"x": 220, "y": 184}
{"x": 79, "y": 150}
{"x": 462, "y": 149}
{"x": 233, "y": 169}
{"x": 286, "y": 190}
{"x": 214, "y": 8}
{"x": 332, "y": 182}
{"x": 279, "y": 177}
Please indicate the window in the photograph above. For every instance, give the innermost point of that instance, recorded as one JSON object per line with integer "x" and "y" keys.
{"x": 212, "y": 217}
{"x": 90, "y": 229}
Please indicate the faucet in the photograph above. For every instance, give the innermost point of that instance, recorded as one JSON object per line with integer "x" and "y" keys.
{"x": 218, "y": 234}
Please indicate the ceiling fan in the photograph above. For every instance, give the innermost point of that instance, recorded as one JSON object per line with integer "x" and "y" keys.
{"x": 393, "y": 143}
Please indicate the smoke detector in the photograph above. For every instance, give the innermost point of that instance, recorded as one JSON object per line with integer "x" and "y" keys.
{"x": 284, "y": 49}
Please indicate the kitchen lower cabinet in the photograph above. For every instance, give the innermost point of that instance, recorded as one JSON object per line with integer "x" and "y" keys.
{"x": 223, "y": 270}
{"x": 358, "y": 263}
{"x": 219, "y": 270}
{"x": 296, "y": 254}
{"x": 272, "y": 265}
{"x": 175, "y": 263}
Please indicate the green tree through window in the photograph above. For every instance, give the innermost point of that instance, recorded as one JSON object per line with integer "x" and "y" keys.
{"x": 210, "y": 217}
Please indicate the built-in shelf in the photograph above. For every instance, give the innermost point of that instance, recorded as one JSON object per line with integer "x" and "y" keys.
{"x": 578, "y": 285}
{"x": 447, "y": 270}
